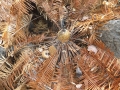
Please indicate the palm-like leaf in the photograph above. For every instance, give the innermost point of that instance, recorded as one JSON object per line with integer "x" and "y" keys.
{"x": 101, "y": 69}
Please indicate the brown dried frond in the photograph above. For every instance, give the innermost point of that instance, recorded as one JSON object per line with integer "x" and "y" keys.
{"x": 12, "y": 70}
{"x": 44, "y": 74}
{"x": 35, "y": 40}
{"x": 64, "y": 77}
{"x": 21, "y": 6}
{"x": 100, "y": 70}
{"x": 4, "y": 9}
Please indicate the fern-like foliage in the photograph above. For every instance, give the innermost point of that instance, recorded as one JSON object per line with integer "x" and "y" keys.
{"x": 55, "y": 45}
{"x": 101, "y": 69}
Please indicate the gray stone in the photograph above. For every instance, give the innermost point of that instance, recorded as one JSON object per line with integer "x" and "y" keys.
{"x": 111, "y": 36}
{"x": 2, "y": 52}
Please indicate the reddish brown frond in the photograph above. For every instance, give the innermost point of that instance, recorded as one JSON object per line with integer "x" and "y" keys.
{"x": 44, "y": 74}
{"x": 101, "y": 69}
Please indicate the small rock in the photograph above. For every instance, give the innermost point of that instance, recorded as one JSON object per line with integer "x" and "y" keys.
{"x": 78, "y": 85}
{"x": 45, "y": 54}
{"x": 2, "y": 52}
{"x": 92, "y": 48}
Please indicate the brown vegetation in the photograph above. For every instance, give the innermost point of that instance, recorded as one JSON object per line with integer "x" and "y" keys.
{"x": 55, "y": 45}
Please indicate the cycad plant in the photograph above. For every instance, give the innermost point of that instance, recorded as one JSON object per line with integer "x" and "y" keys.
{"x": 55, "y": 45}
